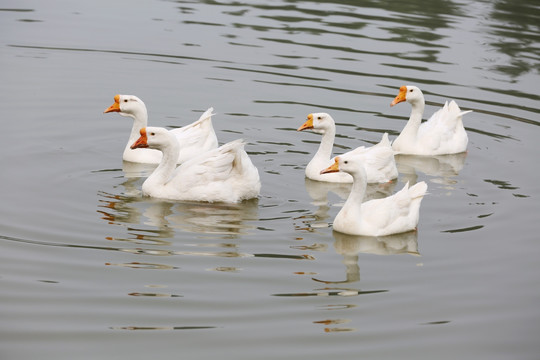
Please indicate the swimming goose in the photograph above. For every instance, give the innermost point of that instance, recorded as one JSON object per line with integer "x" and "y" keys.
{"x": 194, "y": 138}
{"x": 378, "y": 159}
{"x": 379, "y": 217}
{"x": 443, "y": 133}
{"x": 225, "y": 174}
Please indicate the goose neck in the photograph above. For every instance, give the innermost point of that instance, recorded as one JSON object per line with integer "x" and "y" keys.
{"x": 415, "y": 120}
{"x": 327, "y": 143}
{"x": 166, "y": 167}
{"x": 358, "y": 190}
{"x": 140, "y": 120}
{"x": 417, "y": 110}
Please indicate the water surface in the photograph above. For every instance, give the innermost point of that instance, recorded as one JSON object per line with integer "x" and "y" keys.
{"x": 90, "y": 269}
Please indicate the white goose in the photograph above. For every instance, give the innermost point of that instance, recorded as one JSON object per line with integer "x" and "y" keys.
{"x": 442, "y": 134}
{"x": 379, "y": 217}
{"x": 225, "y": 174}
{"x": 194, "y": 138}
{"x": 378, "y": 159}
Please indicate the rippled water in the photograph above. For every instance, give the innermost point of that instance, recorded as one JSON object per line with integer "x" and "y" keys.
{"x": 90, "y": 269}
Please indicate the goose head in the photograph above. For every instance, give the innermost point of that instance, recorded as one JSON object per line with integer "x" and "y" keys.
{"x": 409, "y": 93}
{"x": 153, "y": 138}
{"x": 346, "y": 163}
{"x": 128, "y": 105}
{"x": 318, "y": 122}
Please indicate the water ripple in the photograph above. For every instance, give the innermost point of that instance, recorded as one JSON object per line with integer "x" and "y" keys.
{"x": 105, "y": 51}
{"x": 332, "y": 292}
{"x": 161, "y": 328}
{"x": 159, "y": 252}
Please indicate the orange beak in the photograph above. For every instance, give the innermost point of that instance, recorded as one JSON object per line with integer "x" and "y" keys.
{"x": 401, "y": 97}
{"x": 332, "y": 168}
{"x": 308, "y": 124}
{"x": 141, "y": 142}
{"x": 114, "y": 107}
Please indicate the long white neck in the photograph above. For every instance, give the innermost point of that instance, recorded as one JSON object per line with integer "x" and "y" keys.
{"x": 166, "y": 167}
{"x": 324, "y": 153}
{"x": 140, "y": 120}
{"x": 417, "y": 110}
{"x": 353, "y": 204}
{"x": 411, "y": 128}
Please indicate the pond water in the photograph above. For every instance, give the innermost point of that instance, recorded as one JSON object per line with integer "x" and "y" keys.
{"x": 90, "y": 269}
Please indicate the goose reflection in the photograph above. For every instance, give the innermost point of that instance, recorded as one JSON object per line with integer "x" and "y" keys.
{"x": 130, "y": 207}
{"x": 204, "y": 218}
{"x": 208, "y": 218}
{"x": 442, "y": 167}
{"x": 318, "y": 192}
{"x": 137, "y": 170}
{"x": 350, "y": 246}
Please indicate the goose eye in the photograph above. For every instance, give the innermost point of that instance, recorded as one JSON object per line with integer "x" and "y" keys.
{"x": 153, "y": 133}
{"x": 411, "y": 90}
{"x": 125, "y": 100}
{"x": 319, "y": 117}
{"x": 345, "y": 162}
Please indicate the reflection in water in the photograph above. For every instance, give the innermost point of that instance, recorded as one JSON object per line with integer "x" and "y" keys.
{"x": 162, "y": 327}
{"x": 164, "y": 217}
{"x": 160, "y": 295}
{"x": 413, "y": 22}
{"x": 224, "y": 219}
{"x": 137, "y": 170}
{"x": 229, "y": 269}
{"x": 328, "y": 322}
{"x": 329, "y": 292}
{"x": 318, "y": 191}
{"x": 516, "y": 27}
{"x": 206, "y": 218}
{"x": 443, "y": 167}
{"x": 139, "y": 265}
{"x": 350, "y": 246}
{"x": 332, "y": 292}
